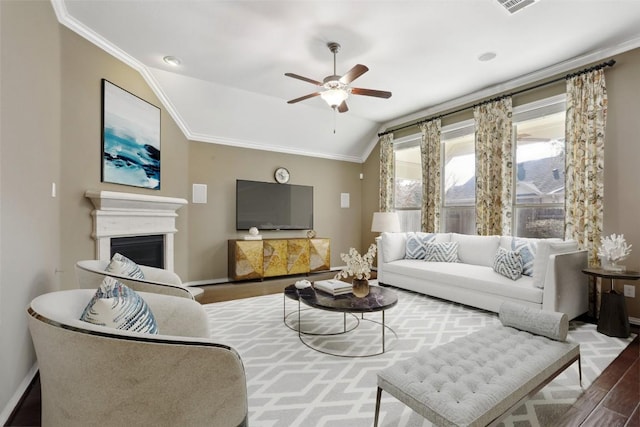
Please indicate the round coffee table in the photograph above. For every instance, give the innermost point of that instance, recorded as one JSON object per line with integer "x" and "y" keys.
{"x": 379, "y": 300}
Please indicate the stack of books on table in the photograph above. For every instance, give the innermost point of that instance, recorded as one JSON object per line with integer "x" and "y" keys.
{"x": 333, "y": 286}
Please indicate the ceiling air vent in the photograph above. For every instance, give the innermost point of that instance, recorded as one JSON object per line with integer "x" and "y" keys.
{"x": 513, "y": 6}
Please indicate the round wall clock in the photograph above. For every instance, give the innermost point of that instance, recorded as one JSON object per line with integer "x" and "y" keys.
{"x": 282, "y": 175}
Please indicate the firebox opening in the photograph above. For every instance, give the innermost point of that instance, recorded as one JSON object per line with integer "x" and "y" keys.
{"x": 143, "y": 250}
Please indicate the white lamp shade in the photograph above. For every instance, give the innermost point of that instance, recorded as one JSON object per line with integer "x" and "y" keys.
{"x": 385, "y": 221}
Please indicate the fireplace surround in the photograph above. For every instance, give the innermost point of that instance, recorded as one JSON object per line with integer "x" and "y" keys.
{"x": 126, "y": 215}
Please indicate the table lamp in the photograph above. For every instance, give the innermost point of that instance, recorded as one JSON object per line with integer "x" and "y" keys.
{"x": 385, "y": 221}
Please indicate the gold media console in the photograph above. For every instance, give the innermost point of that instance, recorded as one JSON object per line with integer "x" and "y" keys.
{"x": 257, "y": 259}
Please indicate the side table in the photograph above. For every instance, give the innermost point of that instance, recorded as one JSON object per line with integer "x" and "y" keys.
{"x": 613, "y": 320}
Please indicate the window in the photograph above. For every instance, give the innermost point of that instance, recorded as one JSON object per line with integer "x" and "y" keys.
{"x": 458, "y": 184}
{"x": 407, "y": 197}
{"x": 539, "y": 130}
{"x": 538, "y": 201}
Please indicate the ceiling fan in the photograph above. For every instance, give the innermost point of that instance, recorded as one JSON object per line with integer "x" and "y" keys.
{"x": 335, "y": 89}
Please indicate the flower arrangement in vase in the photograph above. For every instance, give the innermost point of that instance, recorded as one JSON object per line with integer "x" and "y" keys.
{"x": 614, "y": 249}
{"x": 358, "y": 266}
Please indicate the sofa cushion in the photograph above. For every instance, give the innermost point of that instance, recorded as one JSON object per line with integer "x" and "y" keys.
{"x": 467, "y": 276}
{"x": 508, "y": 263}
{"x": 545, "y": 249}
{"x": 123, "y": 266}
{"x": 416, "y": 246}
{"x": 442, "y": 252}
{"x": 117, "y": 306}
{"x": 393, "y": 246}
{"x": 476, "y": 250}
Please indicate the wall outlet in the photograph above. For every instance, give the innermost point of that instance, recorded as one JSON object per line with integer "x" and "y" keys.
{"x": 629, "y": 291}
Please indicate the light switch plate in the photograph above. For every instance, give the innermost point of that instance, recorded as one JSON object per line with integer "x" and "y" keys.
{"x": 629, "y": 291}
{"x": 199, "y": 193}
{"x": 344, "y": 200}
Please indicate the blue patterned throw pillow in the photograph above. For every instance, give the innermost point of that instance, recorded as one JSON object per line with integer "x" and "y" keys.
{"x": 442, "y": 252}
{"x": 508, "y": 263}
{"x": 123, "y": 266}
{"x": 416, "y": 246}
{"x": 527, "y": 249}
{"x": 117, "y": 306}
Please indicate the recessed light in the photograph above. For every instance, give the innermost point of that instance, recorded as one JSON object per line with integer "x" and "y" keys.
{"x": 172, "y": 60}
{"x": 487, "y": 56}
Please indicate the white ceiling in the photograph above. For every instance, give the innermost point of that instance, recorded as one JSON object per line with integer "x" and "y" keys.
{"x": 231, "y": 88}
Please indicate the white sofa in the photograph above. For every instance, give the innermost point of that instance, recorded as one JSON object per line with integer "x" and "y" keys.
{"x": 557, "y": 283}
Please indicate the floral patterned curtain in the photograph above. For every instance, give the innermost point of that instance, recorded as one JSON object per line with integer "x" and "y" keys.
{"x": 386, "y": 173}
{"x": 494, "y": 165}
{"x": 430, "y": 155}
{"x": 584, "y": 188}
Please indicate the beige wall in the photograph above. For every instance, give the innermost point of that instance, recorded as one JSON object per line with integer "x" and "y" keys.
{"x": 212, "y": 224}
{"x": 29, "y": 162}
{"x": 83, "y": 67}
{"x": 621, "y": 162}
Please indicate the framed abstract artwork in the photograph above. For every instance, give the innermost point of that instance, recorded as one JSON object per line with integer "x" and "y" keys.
{"x": 130, "y": 139}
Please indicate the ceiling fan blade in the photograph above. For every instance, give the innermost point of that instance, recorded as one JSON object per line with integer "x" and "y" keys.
{"x": 342, "y": 108}
{"x": 302, "y": 98}
{"x": 371, "y": 92}
{"x": 353, "y": 74}
{"x": 308, "y": 80}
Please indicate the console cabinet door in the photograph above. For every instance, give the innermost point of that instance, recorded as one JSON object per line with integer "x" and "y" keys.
{"x": 297, "y": 256}
{"x": 319, "y": 254}
{"x": 246, "y": 259}
{"x": 275, "y": 257}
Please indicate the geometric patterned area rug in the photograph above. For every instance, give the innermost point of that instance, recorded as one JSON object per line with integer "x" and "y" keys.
{"x": 291, "y": 385}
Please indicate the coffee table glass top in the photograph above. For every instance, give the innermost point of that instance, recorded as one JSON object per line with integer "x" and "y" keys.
{"x": 378, "y": 299}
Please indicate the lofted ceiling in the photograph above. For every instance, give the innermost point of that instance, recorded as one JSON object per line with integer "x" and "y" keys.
{"x": 230, "y": 87}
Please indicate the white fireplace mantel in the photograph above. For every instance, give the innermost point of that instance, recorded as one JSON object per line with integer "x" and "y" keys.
{"x": 126, "y": 214}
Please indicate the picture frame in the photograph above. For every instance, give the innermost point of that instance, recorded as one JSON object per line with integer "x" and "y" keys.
{"x": 130, "y": 139}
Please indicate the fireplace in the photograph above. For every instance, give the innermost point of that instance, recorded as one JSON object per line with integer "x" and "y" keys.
{"x": 143, "y": 250}
{"x": 125, "y": 215}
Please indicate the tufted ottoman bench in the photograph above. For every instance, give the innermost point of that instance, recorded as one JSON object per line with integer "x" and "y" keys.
{"x": 478, "y": 379}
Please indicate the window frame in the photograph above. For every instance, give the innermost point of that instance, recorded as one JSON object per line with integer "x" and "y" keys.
{"x": 529, "y": 111}
{"x": 448, "y": 132}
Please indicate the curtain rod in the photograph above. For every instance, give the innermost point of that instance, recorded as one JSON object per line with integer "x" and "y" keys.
{"x": 608, "y": 63}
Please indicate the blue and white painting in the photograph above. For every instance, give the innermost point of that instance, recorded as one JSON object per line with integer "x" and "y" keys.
{"x": 130, "y": 139}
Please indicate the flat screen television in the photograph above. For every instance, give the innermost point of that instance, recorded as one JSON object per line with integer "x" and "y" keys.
{"x": 272, "y": 206}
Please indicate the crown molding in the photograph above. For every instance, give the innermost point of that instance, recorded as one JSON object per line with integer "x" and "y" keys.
{"x": 526, "y": 79}
{"x": 274, "y": 148}
{"x": 76, "y": 26}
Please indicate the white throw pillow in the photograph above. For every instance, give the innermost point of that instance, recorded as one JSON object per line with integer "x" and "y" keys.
{"x": 527, "y": 249}
{"x": 442, "y": 252}
{"x": 393, "y": 246}
{"x": 416, "y": 245}
{"x": 117, "y": 306}
{"x": 123, "y": 266}
{"x": 508, "y": 264}
{"x": 476, "y": 250}
{"x": 545, "y": 249}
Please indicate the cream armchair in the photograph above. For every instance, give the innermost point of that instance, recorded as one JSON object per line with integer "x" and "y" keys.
{"x": 96, "y": 375}
{"x": 91, "y": 272}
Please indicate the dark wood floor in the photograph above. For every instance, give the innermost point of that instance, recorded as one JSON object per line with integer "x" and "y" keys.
{"x": 612, "y": 400}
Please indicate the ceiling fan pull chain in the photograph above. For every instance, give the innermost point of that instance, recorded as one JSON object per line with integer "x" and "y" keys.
{"x": 335, "y": 120}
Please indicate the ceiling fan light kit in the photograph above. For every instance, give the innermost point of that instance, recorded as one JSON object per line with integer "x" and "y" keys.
{"x": 335, "y": 89}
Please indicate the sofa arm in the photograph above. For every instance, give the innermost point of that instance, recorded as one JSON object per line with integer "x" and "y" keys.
{"x": 565, "y": 286}
{"x": 380, "y": 259}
